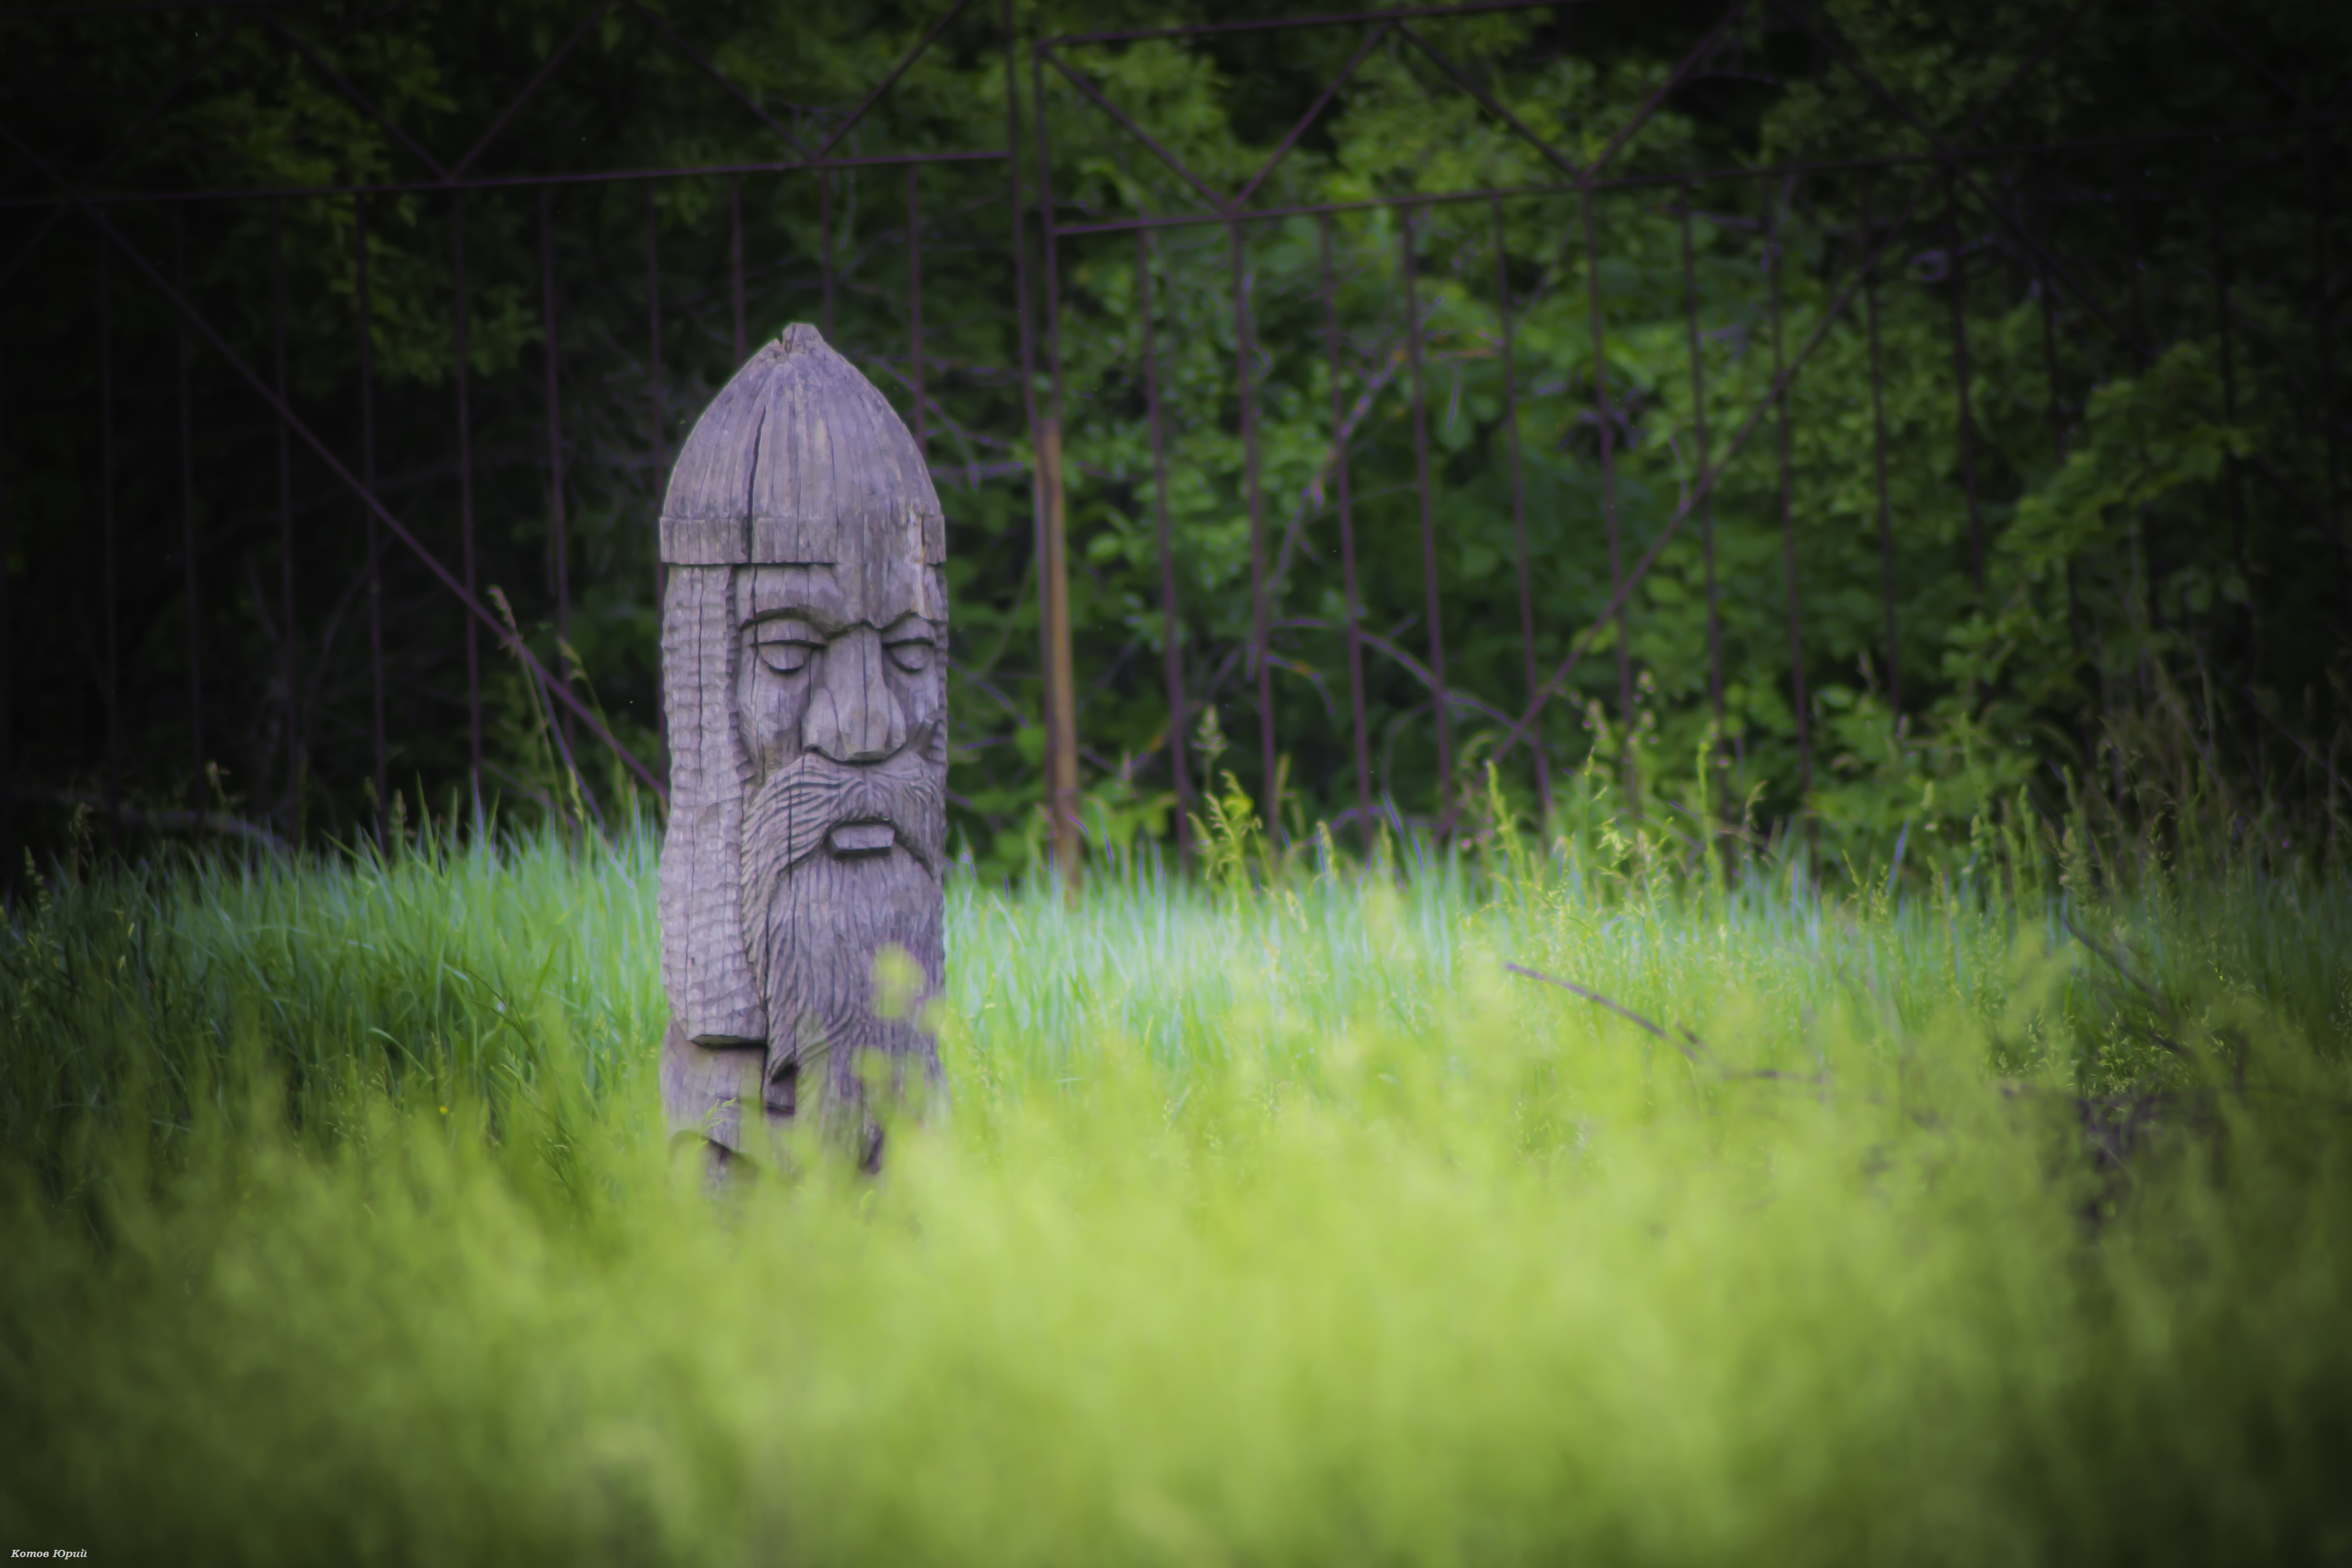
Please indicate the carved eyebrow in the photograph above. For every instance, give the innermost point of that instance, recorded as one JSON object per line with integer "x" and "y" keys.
{"x": 780, "y": 627}
{"x": 907, "y": 627}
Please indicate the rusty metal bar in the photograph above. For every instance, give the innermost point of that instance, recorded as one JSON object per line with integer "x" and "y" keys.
{"x": 466, "y": 491}
{"x": 1054, "y": 569}
{"x": 1605, "y": 423}
{"x": 703, "y": 171}
{"x": 1800, "y": 703}
{"x": 915, "y": 312}
{"x": 1261, "y": 631}
{"x": 1878, "y": 458}
{"x": 291, "y": 658}
{"x": 188, "y": 528}
{"x": 1428, "y": 516}
{"x": 1170, "y": 623}
{"x": 1968, "y": 430}
{"x": 1698, "y": 431}
{"x": 375, "y": 545}
{"x": 1340, "y": 448}
{"x": 1028, "y": 335}
{"x": 825, "y": 246}
{"x": 1519, "y": 499}
{"x": 559, "y": 540}
{"x": 735, "y": 260}
{"x": 107, "y": 588}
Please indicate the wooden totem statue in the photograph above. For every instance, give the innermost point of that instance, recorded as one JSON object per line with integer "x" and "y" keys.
{"x": 803, "y": 657}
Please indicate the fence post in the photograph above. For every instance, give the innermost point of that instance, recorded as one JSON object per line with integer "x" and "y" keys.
{"x": 1171, "y": 626}
{"x": 1788, "y": 513}
{"x": 7, "y": 670}
{"x": 1054, "y": 568}
{"x": 1699, "y": 435}
{"x": 560, "y": 534}
{"x": 915, "y": 311}
{"x": 1878, "y": 452}
{"x": 465, "y": 494}
{"x": 1957, "y": 256}
{"x": 2234, "y": 479}
{"x": 2323, "y": 329}
{"x": 1261, "y": 612}
{"x": 1605, "y": 424}
{"x": 825, "y": 245}
{"x": 1340, "y": 443}
{"x": 292, "y": 658}
{"x": 735, "y": 260}
{"x": 107, "y": 584}
{"x": 660, "y": 407}
{"x": 1519, "y": 506}
{"x": 187, "y": 530}
{"x": 374, "y": 551}
{"x": 1428, "y": 521}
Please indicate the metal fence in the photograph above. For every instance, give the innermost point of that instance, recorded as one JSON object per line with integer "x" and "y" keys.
{"x": 1867, "y": 245}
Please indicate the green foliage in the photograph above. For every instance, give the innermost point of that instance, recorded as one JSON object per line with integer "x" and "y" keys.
{"x": 2153, "y": 530}
{"x": 1276, "y": 1221}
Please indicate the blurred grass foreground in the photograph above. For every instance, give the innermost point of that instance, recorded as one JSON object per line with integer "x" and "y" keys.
{"x": 1973, "y": 1216}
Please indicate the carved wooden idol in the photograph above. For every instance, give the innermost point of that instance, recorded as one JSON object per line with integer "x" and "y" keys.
{"x": 803, "y": 654}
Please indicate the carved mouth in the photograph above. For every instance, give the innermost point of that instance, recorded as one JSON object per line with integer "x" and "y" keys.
{"x": 853, "y": 839}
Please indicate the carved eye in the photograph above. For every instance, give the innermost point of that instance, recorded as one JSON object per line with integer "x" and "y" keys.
{"x": 913, "y": 656}
{"x": 786, "y": 657}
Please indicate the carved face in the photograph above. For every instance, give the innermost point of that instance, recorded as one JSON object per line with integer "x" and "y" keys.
{"x": 820, "y": 672}
{"x": 840, "y": 692}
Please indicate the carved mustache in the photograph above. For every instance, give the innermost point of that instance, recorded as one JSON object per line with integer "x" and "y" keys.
{"x": 800, "y": 807}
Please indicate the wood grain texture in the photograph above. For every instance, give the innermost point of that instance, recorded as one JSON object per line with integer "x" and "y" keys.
{"x": 704, "y": 965}
{"x": 795, "y": 449}
{"x": 804, "y": 682}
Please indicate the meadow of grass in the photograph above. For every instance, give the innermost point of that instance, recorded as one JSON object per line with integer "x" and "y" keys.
{"x": 1955, "y": 1217}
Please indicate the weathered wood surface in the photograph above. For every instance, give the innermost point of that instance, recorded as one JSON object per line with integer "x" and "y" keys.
{"x": 803, "y": 677}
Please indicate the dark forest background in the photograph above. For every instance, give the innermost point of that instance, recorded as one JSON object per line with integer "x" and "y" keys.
{"x": 2142, "y": 618}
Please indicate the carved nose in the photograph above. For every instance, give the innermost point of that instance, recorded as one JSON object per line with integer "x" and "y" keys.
{"x": 852, "y": 715}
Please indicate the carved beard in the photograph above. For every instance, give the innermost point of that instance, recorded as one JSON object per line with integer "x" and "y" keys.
{"x": 815, "y": 920}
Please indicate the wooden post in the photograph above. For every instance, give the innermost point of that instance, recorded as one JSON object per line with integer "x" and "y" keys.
{"x": 805, "y": 677}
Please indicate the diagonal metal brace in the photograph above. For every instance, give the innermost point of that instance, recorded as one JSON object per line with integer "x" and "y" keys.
{"x": 556, "y": 688}
{"x": 1138, "y": 132}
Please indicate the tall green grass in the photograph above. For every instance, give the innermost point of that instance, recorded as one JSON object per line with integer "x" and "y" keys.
{"x": 1272, "y": 1220}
